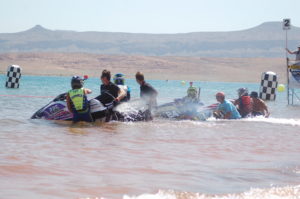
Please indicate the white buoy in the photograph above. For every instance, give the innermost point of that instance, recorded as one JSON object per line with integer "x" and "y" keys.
{"x": 268, "y": 86}
{"x": 13, "y": 76}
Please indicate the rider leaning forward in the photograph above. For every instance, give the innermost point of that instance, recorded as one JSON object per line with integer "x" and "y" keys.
{"x": 77, "y": 101}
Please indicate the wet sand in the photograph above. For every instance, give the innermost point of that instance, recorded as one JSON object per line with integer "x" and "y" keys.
{"x": 171, "y": 68}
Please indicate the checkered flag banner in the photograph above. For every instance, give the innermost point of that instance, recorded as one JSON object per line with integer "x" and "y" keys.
{"x": 268, "y": 86}
{"x": 13, "y": 76}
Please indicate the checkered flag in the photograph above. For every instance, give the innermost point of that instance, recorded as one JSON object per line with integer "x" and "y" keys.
{"x": 268, "y": 86}
{"x": 13, "y": 76}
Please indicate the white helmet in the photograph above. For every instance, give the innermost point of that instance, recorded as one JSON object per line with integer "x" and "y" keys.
{"x": 242, "y": 92}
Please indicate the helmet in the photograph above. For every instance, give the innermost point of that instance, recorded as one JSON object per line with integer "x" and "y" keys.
{"x": 242, "y": 92}
{"x": 192, "y": 92}
{"x": 119, "y": 79}
{"x": 76, "y": 82}
{"x": 254, "y": 94}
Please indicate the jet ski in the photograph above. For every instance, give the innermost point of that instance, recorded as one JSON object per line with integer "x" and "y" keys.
{"x": 57, "y": 110}
{"x": 180, "y": 109}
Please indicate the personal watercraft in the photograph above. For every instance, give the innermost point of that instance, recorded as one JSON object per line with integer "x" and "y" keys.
{"x": 57, "y": 110}
{"x": 180, "y": 109}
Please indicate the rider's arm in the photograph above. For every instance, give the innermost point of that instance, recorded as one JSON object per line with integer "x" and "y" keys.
{"x": 290, "y": 52}
{"x": 87, "y": 91}
{"x": 121, "y": 95}
{"x": 224, "y": 109}
{"x": 266, "y": 109}
{"x": 235, "y": 102}
{"x": 69, "y": 103}
{"x": 227, "y": 115}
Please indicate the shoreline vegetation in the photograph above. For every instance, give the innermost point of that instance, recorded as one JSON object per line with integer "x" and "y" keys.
{"x": 154, "y": 67}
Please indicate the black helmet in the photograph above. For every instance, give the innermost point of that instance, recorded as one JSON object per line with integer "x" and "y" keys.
{"x": 76, "y": 82}
{"x": 119, "y": 79}
{"x": 242, "y": 92}
{"x": 254, "y": 94}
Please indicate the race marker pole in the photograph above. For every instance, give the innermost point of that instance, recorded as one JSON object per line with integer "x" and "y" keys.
{"x": 286, "y": 26}
{"x": 199, "y": 90}
{"x": 287, "y": 67}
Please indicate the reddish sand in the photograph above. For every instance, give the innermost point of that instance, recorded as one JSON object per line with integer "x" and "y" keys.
{"x": 176, "y": 68}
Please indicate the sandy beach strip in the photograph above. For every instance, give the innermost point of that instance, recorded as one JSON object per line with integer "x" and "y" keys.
{"x": 154, "y": 67}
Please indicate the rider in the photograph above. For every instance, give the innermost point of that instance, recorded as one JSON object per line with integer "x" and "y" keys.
{"x": 191, "y": 94}
{"x": 188, "y": 105}
{"x": 297, "y": 53}
{"x": 244, "y": 102}
{"x": 147, "y": 93}
{"x": 259, "y": 107}
{"x": 109, "y": 91}
{"x": 225, "y": 110}
{"x": 77, "y": 101}
{"x": 119, "y": 80}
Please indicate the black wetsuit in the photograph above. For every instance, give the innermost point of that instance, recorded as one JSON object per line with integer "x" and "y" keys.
{"x": 147, "y": 90}
{"x": 148, "y": 93}
{"x": 108, "y": 93}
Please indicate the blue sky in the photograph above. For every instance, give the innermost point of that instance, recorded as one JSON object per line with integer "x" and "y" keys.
{"x": 144, "y": 16}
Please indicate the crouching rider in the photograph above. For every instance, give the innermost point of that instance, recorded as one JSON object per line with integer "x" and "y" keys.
{"x": 77, "y": 101}
{"x": 244, "y": 103}
{"x": 259, "y": 106}
{"x": 226, "y": 110}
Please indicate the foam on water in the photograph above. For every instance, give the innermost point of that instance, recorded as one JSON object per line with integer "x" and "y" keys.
{"x": 293, "y": 122}
{"x": 287, "y": 192}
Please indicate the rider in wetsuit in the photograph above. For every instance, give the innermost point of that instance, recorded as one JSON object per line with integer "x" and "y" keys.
{"x": 109, "y": 92}
{"x": 147, "y": 93}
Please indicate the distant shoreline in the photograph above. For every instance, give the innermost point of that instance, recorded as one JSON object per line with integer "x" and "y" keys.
{"x": 154, "y": 67}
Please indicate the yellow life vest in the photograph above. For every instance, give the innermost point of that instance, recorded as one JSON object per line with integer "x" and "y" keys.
{"x": 77, "y": 97}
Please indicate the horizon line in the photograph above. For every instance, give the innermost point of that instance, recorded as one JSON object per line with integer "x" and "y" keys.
{"x": 38, "y": 26}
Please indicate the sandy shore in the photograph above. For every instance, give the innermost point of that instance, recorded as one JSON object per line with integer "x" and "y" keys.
{"x": 175, "y": 68}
